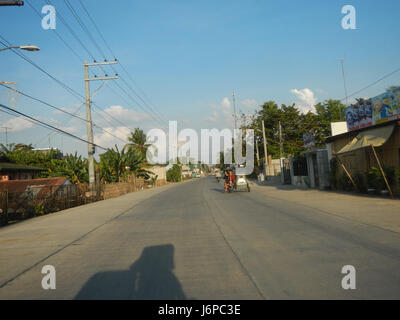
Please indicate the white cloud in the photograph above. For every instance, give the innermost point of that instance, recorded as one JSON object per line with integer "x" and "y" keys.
{"x": 226, "y": 106}
{"x": 18, "y": 124}
{"x": 107, "y": 140}
{"x": 222, "y": 112}
{"x": 306, "y": 98}
{"x": 127, "y": 116}
{"x": 249, "y": 103}
{"x": 214, "y": 117}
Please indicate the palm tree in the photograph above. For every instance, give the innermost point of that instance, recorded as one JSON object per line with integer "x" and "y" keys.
{"x": 115, "y": 164}
{"x": 138, "y": 139}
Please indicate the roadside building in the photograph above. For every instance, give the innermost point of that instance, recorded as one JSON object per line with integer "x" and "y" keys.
{"x": 13, "y": 171}
{"x": 310, "y": 169}
{"x": 360, "y": 150}
{"x": 40, "y": 187}
{"x": 160, "y": 172}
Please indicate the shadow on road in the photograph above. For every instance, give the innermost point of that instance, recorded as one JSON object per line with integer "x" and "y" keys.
{"x": 150, "y": 277}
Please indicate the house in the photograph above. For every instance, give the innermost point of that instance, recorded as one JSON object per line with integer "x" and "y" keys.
{"x": 359, "y": 150}
{"x": 26, "y": 196}
{"x": 13, "y": 171}
{"x": 160, "y": 172}
{"x": 39, "y": 187}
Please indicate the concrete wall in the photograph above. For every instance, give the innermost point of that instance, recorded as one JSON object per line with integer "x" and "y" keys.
{"x": 321, "y": 166}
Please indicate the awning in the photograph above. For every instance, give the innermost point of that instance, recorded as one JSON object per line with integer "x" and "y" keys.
{"x": 372, "y": 137}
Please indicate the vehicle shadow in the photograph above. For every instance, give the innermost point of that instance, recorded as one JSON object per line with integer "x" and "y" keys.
{"x": 220, "y": 190}
{"x": 149, "y": 278}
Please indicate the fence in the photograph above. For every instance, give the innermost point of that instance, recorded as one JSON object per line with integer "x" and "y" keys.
{"x": 40, "y": 200}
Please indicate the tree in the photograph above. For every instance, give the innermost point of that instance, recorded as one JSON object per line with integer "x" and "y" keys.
{"x": 115, "y": 165}
{"x": 175, "y": 173}
{"x": 138, "y": 139}
{"x": 73, "y": 167}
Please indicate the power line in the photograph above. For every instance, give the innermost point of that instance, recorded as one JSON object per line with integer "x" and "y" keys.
{"x": 154, "y": 110}
{"x": 63, "y": 111}
{"x": 83, "y": 26}
{"x": 373, "y": 83}
{"x": 77, "y": 38}
{"x": 66, "y": 87}
{"x": 48, "y": 126}
{"x": 72, "y": 32}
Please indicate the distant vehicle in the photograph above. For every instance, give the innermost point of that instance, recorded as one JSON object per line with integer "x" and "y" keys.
{"x": 241, "y": 183}
{"x": 197, "y": 175}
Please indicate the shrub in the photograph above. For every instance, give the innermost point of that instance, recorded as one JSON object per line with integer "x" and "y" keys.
{"x": 174, "y": 174}
{"x": 360, "y": 181}
{"x": 332, "y": 173}
{"x": 344, "y": 183}
{"x": 375, "y": 179}
{"x": 40, "y": 209}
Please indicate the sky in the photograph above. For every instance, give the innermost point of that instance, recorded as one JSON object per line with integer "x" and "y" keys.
{"x": 185, "y": 58}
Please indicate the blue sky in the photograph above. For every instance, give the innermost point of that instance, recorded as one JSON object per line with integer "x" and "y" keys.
{"x": 188, "y": 56}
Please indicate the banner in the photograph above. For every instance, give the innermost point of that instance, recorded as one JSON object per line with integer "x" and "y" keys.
{"x": 369, "y": 112}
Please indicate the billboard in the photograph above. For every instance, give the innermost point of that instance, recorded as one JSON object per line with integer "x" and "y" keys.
{"x": 369, "y": 112}
{"x": 309, "y": 140}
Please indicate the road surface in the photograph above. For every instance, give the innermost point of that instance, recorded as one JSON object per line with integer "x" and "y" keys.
{"x": 192, "y": 241}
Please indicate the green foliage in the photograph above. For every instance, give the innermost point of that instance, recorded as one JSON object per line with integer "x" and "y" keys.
{"x": 39, "y": 209}
{"x": 361, "y": 182}
{"x": 23, "y": 154}
{"x": 73, "y": 167}
{"x": 116, "y": 165}
{"x": 344, "y": 183}
{"x": 334, "y": 164}
{"x": 154, "y": 179}
{"x": 138, "y": 139}
{"x": 174, "y": 174}
{"x": 294, "y": 125}
{"x": 376, "y": 181}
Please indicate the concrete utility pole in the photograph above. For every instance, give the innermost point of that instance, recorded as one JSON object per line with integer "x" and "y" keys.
{"x": 6, "y": 132}
{"x": 344, "y": 79}
{"x": 258, "y": 153}
{"x": 265, "y": 149}
{"x": 11, "y": 3}
{"x": 91, "y": 148}
{"x": 234, "y": 108}
{"x": 280, "y": 140}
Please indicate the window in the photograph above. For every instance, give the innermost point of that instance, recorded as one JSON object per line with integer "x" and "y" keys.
{"x": 300, "y": 167}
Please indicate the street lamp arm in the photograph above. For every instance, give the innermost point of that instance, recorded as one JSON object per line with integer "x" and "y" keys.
{"x": 27, "y": 48}
{"x": 6, "y": 48}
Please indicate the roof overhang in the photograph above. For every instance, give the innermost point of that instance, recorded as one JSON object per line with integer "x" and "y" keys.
{"x": 372, "y": 137}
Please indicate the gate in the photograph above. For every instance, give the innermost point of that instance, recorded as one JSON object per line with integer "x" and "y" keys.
{"x": 286, "y": 171}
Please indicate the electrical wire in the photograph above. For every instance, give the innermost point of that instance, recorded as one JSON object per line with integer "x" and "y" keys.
{"x": 49, "y": 126}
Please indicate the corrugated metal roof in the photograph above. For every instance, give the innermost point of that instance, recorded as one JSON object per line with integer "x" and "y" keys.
{"x": 22, "y": 185}
{"x": 8, "y": 166}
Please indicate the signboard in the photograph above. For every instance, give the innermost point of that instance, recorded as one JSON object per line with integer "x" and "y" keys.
{"x": 308, "y": 140}
{"x": 359, "y": 115}
{"x": 376, "y": 110}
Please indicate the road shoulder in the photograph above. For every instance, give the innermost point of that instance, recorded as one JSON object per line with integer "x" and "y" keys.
{"x": 379, "y": 212}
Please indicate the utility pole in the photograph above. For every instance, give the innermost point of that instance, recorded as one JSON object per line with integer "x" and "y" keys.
{"x": 258, "y": 153}
{"x": 280, "y": 140}
{"x": 265, "y": 150}
{"x": 91, "y": 148}
{"x": 234, "y": 108}
{"x": 5, "y": 129}
{"x": 344, "y": 80}
{"x": 11, "y": 3}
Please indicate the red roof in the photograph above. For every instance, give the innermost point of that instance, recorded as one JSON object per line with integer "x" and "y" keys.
{"x": 22, "y": 185}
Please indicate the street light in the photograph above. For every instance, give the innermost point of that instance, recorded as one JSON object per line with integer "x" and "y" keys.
{"x": 27, "y": 48}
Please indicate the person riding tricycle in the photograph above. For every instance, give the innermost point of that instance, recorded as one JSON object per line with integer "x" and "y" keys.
{"x": 229, "y": 177}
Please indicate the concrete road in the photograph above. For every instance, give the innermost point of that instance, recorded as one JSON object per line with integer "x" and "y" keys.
{"x": 192, "y": 241}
